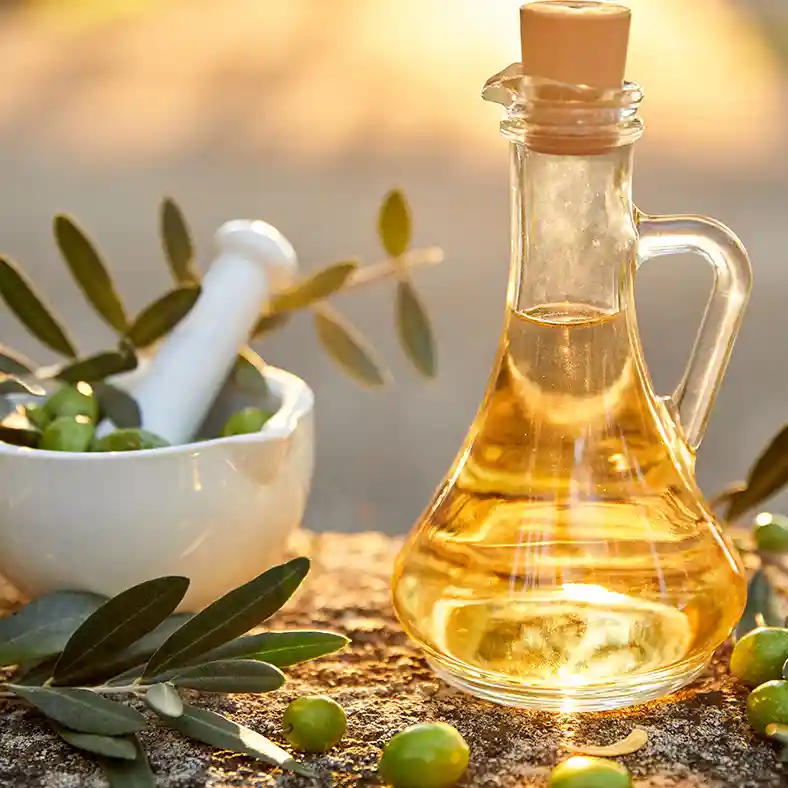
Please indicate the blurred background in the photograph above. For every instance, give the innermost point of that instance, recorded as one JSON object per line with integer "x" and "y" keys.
{"x": 305, "y": 112}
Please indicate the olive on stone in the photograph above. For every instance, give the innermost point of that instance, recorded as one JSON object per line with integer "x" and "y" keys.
{"x": 314, "y": 724}
{"x": 771, "y": 533}
{"x": 759, "y": 655}
{"x": 427, "y": 755}
{"x": 584, "y": 771}
{"x": 768, "y": 704}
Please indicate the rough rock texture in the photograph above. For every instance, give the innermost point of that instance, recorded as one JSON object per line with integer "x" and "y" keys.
{"x": 698, "y": 737}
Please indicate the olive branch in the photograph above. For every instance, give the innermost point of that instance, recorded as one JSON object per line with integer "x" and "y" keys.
{"x": 77, "y": 657}
{"x": 343, "y": 342}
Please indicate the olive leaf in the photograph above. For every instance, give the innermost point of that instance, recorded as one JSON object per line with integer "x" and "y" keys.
{"x": 281, "y": 649}
{"x": 177, "y": 242}
{"x": 270, "y": 322}
{"x": 13, "y": 363}
{"x": 127, "y": 665}
{"x": 394, "y": 224}
{"x": 117, "y": 624}
{"x": 10, "y": 384}
{"x": 117, "y": 405}
{"x": 634, "y": 741}
{"x": 27, "y": 305}
{"x": 89, "y": 272}
{"x": 349, "y": 349}
{"x": 35, "y": 673}
{"x": 230, "y": 616}
{"x": 230, "y": 675}
{"x": 99, "y": 366}
{"x": 109, "y": 746}
{"x": 760, "y": 605}
{"x": 42, "y": 628}
{"x": 129, "y": 774}
{"x": 414, "y": 329}
{"x": 164, "y": 700}
{"x": 20, "y": 436}
{"x": 160, "y": 317}
{"x": 81, "y": 710}
{"x": 768, "y": 475}
{"x": 247, "y": 373}
{"x": 217, "y": 731}
{"x": 316, "y": 287}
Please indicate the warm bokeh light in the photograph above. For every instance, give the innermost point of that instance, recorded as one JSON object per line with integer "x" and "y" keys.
{"x": 136, "y": 79}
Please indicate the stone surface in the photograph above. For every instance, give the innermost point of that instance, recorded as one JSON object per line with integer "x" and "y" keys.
{"x": 697, "y": 737}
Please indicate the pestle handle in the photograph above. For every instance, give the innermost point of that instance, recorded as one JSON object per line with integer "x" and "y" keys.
{"x": 181, "y": 382}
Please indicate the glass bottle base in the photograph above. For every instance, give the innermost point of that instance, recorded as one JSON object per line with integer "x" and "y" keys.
{"x": 625, "y": 692}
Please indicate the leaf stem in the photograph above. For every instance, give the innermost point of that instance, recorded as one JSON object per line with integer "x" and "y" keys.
{"x": 128, "y": 689}
{"x": 370, "y": 274}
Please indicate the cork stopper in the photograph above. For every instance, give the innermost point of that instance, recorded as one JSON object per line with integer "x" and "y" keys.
{"x": 579, "y": 42}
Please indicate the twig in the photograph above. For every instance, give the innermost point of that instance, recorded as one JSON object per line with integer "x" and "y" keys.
{"x": 369, "y": 274}
{"x": 129, "y": 689}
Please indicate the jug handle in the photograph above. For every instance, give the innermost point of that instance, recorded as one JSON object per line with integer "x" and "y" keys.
{"x": 663, "y": 235}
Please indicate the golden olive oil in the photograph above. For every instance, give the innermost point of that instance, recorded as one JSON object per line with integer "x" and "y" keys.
{"x": 568, "y": 550}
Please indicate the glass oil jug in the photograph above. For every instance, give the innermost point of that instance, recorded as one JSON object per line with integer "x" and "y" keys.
{"x": 569, "y": 561}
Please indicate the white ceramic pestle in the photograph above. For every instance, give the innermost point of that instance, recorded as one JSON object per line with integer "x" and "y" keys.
{"x": 179, "y": 384}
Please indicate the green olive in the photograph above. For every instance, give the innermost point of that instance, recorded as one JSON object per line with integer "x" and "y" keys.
{"x": 584, "y": 771}
{"x": 771, "y": 533}
{"x": 131, "y": 439}
{"x": 767, "y": 704}
{"x": 72, "y": 401}
{"x": 428, "y": 755}
{"x": 314, "y": 724}
{"x": 37, "y": 416}
{"x": 760, "y": 655}
{"x": 246, "y": 421}
{"x": 68, "y": 433}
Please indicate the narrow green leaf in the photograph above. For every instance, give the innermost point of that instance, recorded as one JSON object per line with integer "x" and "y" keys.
{"x": 248, "y": 375}
{"x": 229, "y": 617}
{"x": 81, "y": 710}
{"x": 394, "y": 224}
{"x": 129, "y": 774}
{"x": 127, "y": 666}
{"x": 10, "y": 384}
{"x": 118, "y": 405}
{"x": 316, "y": 287}
{"x": 270, "y": 322}
{"x": 27, "y": 305}
{"x": 109, "y": 746}
{"x": 217, "y": 731}
{"x": 117, "y": 624}
{"x": 414, "y": 329}
{"x": 42, "y": 628}
{"x": 177, "y": 242}
{"x": 349, "y": 349}
{"x": 768, "y": 476}
{"x": 19, "y": 436}
{"x": 99, "y": 367}
{"x": 760, "y": 603}
{"x": 282, "y": 649}
{"x": 164, "y": 700}
{"x": 13, "y": 363}
{"x": 89, "y": 272}
{"x": 160, "y": 317}
{"x": 230, "y": 675}
{"x": 33, "y": 673}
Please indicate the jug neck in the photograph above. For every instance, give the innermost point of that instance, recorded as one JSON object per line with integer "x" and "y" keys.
{"x": 573, "y": 231}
